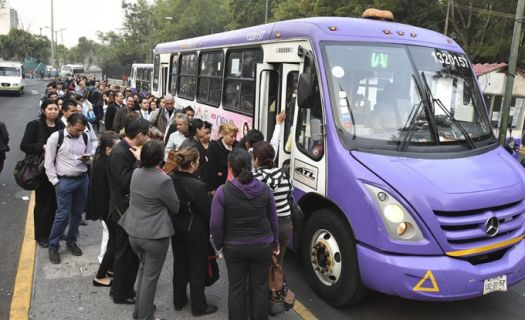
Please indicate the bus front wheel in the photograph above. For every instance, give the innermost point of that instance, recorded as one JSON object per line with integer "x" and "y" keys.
{"x": 330, "y": 259}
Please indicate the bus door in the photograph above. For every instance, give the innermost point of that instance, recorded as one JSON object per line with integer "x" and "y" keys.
{"x": 276, "y": 84}
{"x": 164, "y": 82}
{"x": 307, "y": 145}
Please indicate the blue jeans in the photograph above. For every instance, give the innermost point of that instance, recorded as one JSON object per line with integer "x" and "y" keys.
{"x": 71, "y": 199}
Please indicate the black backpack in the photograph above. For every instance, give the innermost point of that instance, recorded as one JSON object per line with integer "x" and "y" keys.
{"x": 61, "y": 140}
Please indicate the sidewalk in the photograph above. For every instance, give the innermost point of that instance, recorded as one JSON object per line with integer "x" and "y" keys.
{"x": 65, "y": 291}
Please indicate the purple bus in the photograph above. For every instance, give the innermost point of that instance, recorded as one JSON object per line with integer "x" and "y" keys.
{"x": 404, "y": 187}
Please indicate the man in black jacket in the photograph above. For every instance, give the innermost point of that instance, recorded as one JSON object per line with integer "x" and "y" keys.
{"x": 4, "y": 140}
{"x": 123, "y": 160}
{"x": 112, "y": 109}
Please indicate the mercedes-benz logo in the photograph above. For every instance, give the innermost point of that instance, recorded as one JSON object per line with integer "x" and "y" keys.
{"x": 492, "y": 226}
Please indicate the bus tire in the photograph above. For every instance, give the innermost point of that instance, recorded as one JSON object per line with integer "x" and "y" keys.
{"x": 330, "y": 259}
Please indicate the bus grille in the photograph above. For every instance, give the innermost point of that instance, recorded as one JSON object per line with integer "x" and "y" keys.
{"x": 468, "y": 229}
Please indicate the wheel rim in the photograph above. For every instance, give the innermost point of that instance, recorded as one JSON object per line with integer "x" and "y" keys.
{"x": 325, "y": 257}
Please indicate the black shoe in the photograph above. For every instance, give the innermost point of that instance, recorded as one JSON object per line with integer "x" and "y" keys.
{"x": 83, "y": 222}
{"x": 54, "y": 257}
{"x": 43, "y": 243}
{"x": 74, "y": 249}
{"x": 209, "y": 310}
{"x": 124, "y": 301}
{"x": 181, "y": 306}
{"x": 99, "y": 284}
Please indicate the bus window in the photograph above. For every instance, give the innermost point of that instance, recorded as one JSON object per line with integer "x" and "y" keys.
{"x": 310, "y": 131}
{"x": 156, "y": 71}
{"x": 188, "y": 72}
{"x": 210, "y": 78}
{"x": 173, "y": 74}
{"x": 239, "y": 86}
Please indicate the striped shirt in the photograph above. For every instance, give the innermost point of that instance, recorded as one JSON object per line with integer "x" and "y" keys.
{"x": 280, "y": 186}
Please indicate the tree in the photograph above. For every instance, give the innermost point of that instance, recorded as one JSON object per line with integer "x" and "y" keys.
{"x": 245, "y": 13}
{"x": 19, "y": 44}
{"x": 479, "y": 25}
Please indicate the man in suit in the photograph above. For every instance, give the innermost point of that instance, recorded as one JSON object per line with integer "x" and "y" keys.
{"x": 123, "y": 160}
{"x": 144, "y": 108}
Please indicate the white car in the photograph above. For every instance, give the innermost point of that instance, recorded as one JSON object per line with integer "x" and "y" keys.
{"x": 11, "y": 79}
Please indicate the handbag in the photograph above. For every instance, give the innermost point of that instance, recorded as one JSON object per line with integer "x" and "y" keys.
{"x": 296, "y": 213}
{"x": 213, "y": 268}
{"x": 29, "y": 172}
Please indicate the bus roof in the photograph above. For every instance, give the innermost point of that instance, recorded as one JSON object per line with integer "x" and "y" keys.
{"x": 142, "y": 65}
{"x": 10, "y": 64}
{"x": 317, "y": 29}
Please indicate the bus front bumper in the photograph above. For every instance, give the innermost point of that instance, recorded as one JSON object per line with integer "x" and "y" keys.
{"x": 436, "y": 278}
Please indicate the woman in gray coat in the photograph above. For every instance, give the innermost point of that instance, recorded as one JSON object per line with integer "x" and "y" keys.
{"x": 153, "y": 201}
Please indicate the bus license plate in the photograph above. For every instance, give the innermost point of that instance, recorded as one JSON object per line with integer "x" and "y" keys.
{"x": 495, "y": 284}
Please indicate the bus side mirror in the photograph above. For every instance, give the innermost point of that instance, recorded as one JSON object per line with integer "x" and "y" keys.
{"x": 306, "y": 90}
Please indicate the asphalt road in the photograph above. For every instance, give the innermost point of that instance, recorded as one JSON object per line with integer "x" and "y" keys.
{"x": 15, "y": 112}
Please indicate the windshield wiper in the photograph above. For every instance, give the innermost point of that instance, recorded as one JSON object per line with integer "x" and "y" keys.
{"x": 437, "y": 101}
{"x": 412, "y": 117}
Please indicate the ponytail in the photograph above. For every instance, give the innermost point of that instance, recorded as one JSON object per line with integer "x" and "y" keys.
{"x": 245, "y": 176}
{"x": 240, "y": 162}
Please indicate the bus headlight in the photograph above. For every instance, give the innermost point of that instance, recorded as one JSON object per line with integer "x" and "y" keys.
{"x": 399, "y": 223}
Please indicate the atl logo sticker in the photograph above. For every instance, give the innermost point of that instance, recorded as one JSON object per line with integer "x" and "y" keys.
{"x": 305, "y": 174}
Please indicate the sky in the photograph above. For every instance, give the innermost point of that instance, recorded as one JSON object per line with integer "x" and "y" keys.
{"x": 77, "y": 17}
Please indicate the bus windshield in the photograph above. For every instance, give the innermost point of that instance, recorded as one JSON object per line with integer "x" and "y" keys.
{"x": 399, "y": 96}
{"x": 9, "y": 72}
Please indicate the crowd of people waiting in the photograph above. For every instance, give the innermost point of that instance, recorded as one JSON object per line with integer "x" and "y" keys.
{"x": 154, "y": 176}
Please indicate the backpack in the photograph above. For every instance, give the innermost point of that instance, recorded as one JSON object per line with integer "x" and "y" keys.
{"x": 61, "y": 141}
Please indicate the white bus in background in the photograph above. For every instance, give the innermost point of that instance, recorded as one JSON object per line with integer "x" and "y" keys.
{"x": 71, "y": 69}
{"x": 11, "y": 77}
{"x": 140, "y": 76}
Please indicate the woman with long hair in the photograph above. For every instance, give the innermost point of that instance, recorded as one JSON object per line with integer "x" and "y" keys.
{"x": 196, "y": 131}
{"x": 244, "y": 224}
{"x": 97, "y": 206}
{"x": 34, "y": 142}
{"x": 192, "y": 234}
{"x": 264, "y": 169}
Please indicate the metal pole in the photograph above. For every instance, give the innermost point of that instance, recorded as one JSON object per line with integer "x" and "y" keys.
{"x": 266, "y": 12}
{"x": 52, "y": 37}
{"x": 63, "y": 48}
{"x": 511, "y": 72}
{"x": 446, "y": 19}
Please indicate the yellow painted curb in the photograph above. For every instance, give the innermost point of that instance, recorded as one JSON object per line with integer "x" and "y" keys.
{"x": 302, "y": 311}
{"x": 24, "y": 275}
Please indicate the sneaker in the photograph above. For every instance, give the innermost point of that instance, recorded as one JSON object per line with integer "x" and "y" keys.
{"x": 74, "y": 249}
{"x": 54, "y": 257}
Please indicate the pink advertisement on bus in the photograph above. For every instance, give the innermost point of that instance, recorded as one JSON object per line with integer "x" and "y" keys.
{"x": 218, "y": 116}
